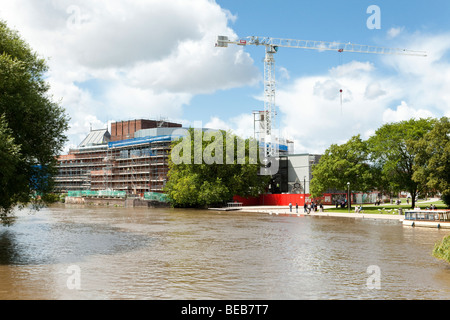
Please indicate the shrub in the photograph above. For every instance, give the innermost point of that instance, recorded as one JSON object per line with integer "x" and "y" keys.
{"x": 442, "y": 249}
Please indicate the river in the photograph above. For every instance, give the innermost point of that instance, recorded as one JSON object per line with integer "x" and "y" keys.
{"x": 75, "y": 252}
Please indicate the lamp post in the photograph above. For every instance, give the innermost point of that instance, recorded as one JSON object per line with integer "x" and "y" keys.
{"x": 349, "y": 201}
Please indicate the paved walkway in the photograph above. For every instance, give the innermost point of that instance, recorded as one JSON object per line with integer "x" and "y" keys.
{"x": 328, "y": 212}
{"x": 284, "y": 210}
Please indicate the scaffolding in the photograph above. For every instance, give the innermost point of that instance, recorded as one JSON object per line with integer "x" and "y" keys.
{"x": 133, "y": 167}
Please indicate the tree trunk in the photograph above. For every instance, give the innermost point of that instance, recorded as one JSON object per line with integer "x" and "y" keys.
{"x": 413, "y": 198}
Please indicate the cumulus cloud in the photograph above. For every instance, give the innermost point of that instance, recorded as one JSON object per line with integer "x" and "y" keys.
{"x": 374, "y": 90}
{"x": 241, "y": 125}
{"x": 352, "y": 69}
{"x": 408, "y": 87}
{"x": 327, "y": 89}
{"x": 114, "y": 59}
{"x": 393, "y": 89}
{"x": 425, "y": 80}
{"x": 405, "y": 112}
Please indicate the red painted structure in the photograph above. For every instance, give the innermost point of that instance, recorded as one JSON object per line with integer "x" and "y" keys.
{"x": 285, "y": 198}
{"x": 273, "y": 200}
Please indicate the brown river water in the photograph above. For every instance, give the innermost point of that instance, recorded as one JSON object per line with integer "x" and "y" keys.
{"x": 70, "y": 252}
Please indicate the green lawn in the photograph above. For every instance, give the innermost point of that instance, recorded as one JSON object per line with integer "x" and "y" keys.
{"x": 390, "y": 208}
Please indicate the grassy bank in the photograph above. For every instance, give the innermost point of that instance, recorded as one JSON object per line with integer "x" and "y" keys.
{"x": 442, "y": 249}
{"x": 390, "y": 208}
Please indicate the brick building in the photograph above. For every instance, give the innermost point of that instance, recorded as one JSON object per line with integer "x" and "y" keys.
{"x": 133, "y": 158}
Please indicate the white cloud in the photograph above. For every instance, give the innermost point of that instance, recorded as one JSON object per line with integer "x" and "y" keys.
{"x": 328, "y": 89}
{"x": 394, "y": 32}
{"x": 241, "y": 125}
{"x": 283, "y": 74}
{"x": 217, "y": 124}
{"x": 113, "y": 59}
{"x": 405, "y": 112}
{"x": 374, "y": 91}
{"x": 352, "y": 69}
{"x": 406, "y": 87}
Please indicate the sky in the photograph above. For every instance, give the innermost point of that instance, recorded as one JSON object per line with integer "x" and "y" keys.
{"x": 114, "y": 60}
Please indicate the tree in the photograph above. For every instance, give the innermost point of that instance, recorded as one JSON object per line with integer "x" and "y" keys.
{"x": 209, "y": 168}
{"x": 32, "y": 125}
{"x": 432, "y": 167}
{"x": 9, "y": 161}
{"x": 341, "y": 164}
{"x": 393, "y": 149}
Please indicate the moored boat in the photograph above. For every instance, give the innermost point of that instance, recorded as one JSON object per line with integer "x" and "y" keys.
{"x": 427, "y": 218}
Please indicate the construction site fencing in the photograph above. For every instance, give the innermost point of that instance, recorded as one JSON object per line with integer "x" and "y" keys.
{"x": 161, "y": 197}
{"x": 98, "y": 193}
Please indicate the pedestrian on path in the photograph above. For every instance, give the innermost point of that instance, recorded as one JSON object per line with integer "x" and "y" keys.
{"x": 290, "y": 207}
{"x": 296, "y": 208}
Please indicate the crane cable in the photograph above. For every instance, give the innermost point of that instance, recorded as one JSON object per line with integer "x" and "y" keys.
{"x": 340, "y": 51}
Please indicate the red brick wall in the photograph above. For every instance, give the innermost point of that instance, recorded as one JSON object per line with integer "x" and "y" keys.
{"x": 125, "y": 129}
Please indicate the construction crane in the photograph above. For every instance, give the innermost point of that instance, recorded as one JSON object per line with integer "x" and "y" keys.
{"x": 272, "y": 45}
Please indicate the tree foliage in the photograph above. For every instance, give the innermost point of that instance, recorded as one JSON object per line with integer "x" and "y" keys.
{"x": 342, "y": 164}
{"x": 432, "y": 167}
{"x": 212, "y": 171}
{"x": 394, "y": 148}
{"x": 442, "y": 250}
{"x": 32, "y": 125}
{"x": 411, "y": 156}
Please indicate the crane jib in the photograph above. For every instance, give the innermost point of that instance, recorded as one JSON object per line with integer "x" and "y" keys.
{"x": 272, "y": 45}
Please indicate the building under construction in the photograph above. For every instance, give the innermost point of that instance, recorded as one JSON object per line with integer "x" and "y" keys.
{"x": 131, "y": 160}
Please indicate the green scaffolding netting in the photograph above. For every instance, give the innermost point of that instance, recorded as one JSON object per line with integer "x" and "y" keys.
{"x": 99, "y": 193}
{"x": 116, "y": 194}
{"x": 155, "y": 196}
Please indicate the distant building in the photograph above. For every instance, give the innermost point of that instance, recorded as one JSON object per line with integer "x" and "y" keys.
{"x": 294, "y": 173}
{"x": 132, "y": 158}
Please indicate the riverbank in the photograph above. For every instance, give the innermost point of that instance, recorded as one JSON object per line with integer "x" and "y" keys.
{"x": 387, "y": 211}
{"x": 116, "y": 202}
{"x": 327, "y": 212}
{"x": 394, "y": 216}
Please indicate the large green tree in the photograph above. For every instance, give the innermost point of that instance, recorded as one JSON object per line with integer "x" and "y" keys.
{"x": 393, "y": 149}
{"x": 432, "y": 167}
{"x": 342, "y": 164}
{"x": 32, "y": 125}
{"x": 209, "y": 168}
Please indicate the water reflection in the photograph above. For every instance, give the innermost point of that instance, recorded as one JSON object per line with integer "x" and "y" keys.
{"x": 189, "y": 254}
{"x": 38, "y": 241}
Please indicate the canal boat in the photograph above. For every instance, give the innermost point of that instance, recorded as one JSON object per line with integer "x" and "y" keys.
{"x": 427, "y": 218}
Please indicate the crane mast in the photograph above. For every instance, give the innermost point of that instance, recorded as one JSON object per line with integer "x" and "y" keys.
{"x": 272, "y": 45}
{"x": 270, "y": 147}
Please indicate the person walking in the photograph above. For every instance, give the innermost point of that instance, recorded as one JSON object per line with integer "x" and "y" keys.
{"x": 290, "y": 207}
{"x": 296, "y": 208}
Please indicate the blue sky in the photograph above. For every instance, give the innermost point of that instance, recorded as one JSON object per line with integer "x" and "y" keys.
{"x": 125, "y": 59}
